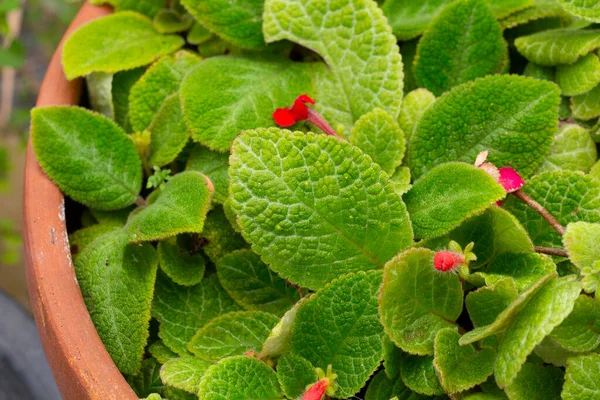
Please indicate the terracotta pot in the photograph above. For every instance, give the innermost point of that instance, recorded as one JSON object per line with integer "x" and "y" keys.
{"x": 80, "y": 363}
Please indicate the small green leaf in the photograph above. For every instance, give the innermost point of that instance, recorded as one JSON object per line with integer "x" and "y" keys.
{"x": 581, "y": 378}
{"x": 121, "y": 87}
{"x": 278, "y": 342}
{"x": 146, "y": 7}
{"x": 117, "y": 281}
{"x": 524, "y": 268}
{"x": 238, "y": 22}
{"x": 447, "y": 195}
{"x": 579, "y": 78}
{"x": 487, "y": 303}
{"x": 537, "y": 382}
{"x": 226, "y": 95}
{"x": 392, "y": 356}
{"x": 539, "y": 72}
{"x": 232, "y": 334}
{"x": 401, "y": 180}
{"x": 378, "y": 135}
{"x": 198, "y": 34}
{"x": 118, "y": 42}
{"x": 586, "y": 106}
{"x": 253, "y": 285}
{"x": 179, "y": 265}
{"x": 413, "y": 107}
{"x": 87, "y": 155}
{"x": 180, "y": 206}
{"x": 460, "y": 367}
{"x": 580, "y": 331}
{"x": 382, "y": 387}
{"x": 582, "y": 8}
{"x": 240, "y": 377}
{"x": 182, "y": 310}
{"x": 99, "y": 85}
{"x": 558, "y": 46}
{"x": 582, "y": 242}
{"x": 215, "y": 166}
{"x": 219, "y": 236}
{"x": 515, "y": 120}
{"x": 339, "y": 325}
{"x": 417, "y": 301}
{"x": 463, "y": 42}
{"x": 313, "y": 207}
{"x": 168, "y": 132}
{"x": 147, "y": 380}
{"x": 294, "y": 374}
{"x": 553, "y": 353}
{"x": 161, "y": 352}
{"x": 170, "y": 21}
{"x": 419, "y": 375}
{"x": 184, "y": 373}
{"x": 573, "y": 149}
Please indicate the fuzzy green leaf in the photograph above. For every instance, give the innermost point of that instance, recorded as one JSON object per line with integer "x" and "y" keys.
{"x": 82, "y": 238}
{"x": 586, "y": 106}
{"x": 579, "y": 78}
{"x": 573, "y": 149}
{"x": 99, "y": 85}
{"x": 364, "y": 77}
{"x": 240, "y": 377}
{"x": 351, "y": 338}
{"x": 147, "y": 380}
{"x": 121, "y": 87}
{"x": 536, "y": 382}
{"x": 539, "y": 72}
{"x": 87, "y": 155}
{"x": 540, "y": 10}
{"x": 215, "y": 166}
{"x": 117, "y": 282}
{"x": 161, "y": 352}
{"x": 170, "y": 21}
{"x": 413, "y": 107}
{"x": 253, "y": 285}
{"x": 383, "y": 388}
{"x": 553, "y": 353}
{"x": 460, "y": 367}
{"x": 558, "y": 46}
{"x": 313, "y": 207}
{"x": 198, "y": 34}
{"x": 447, "y": 195}
{"x": 419, "y": 375}
{"x": 581, "y": 381}
{"x": 462, "y": 43}
{"x": 401, "y": 180}
{"x": 219, "y": 236}
{"x": 226, "y": 95}
{"x": 392, "y": 356}
{"x": 168, "y": 132}
{"x": 580, "y": 331}
{"x": 582, "y": 242}
{"x": 589, "y": 10}
{"x": 378, "y": 135}
{"x": 181, "y": 206}
{"x": 524, "y": 268}
{"x": 416, "y": 301}
{"x": 294, "y": 374}
{"x": 184, "y": 373}
{"x": 118, "y": 42}
{"x": 511, "y": 116}
{"x": 182, "y": 310}
{"x": 278, "y": 342}
{"x": 179, "y": 265}
{"x": 487, "y": 303}
{"x": 232, "y": 334}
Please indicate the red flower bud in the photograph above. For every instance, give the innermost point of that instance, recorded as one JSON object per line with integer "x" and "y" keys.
{"x": 317, "y": 390}
{"x": 445, "y": 261}
{"x": 510, "y": 179}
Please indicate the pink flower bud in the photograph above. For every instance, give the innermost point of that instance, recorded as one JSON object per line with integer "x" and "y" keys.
{"x": 510, "y": 179}
{"x": 445, "y": 261}
{"x": 316, "y": 391}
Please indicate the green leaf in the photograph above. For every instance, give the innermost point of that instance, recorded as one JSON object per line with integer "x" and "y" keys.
{"x": 553, "y": 353}
{"x": 568, "y": 196}
{"x": 539, "y": 72}
{"x": 82, "y": 238}
{"x": 487, "y": 303}
{"x": 392, "y": 356}
{"x": 147, "y": 380}
{"x": 121, "y": 87}
{"x": 511, "y": 116}
{"x": 198, "y": 34}
{"x": 220, "y": 237}
{"x": 161, "y": 81}
{"x": 400, "y": 180}
{"x": 463, "y": 42}
{"x": 87, "y": 155}
{"x": 161, "y": 352}
{"x": 580, "y": 331}
{"x": 226, "y": 95}
{"x": 117, "y": 282}
{"x": 536, "y": 382}
{"x": 581, "y": 378}
{"x": 360, "y": 77}
{"x": 540, "y": 10}
{"x": 182, "y": 310}
{"x": 378, "y": 135}
{"x": 573, "y": 149}
{"x": 146, "y": 7}
{"x": 180, "y": 206}
{"x": 586, "y": 106}
{"x": 239, "y": 377}
{"x": 179, "y": 264}
{"x": 313, "y": 207}
{"x": 168, "y": 131}
{"x": 413, "y": 107}
{"x": 232, "y": 334}
{"x": 253, "y": 285}
{"x": 347, "y": 333}
{"x": 184, "y": 373}
{"x": 416, "y": 301}
{"x": 383, "y": 388}
{"x": 558, "y": 46}
{"x": 238, "y": 22}
{"x": 294, "y": 374}
{"x": 99, "y": 85}
{"x": 582, "y": 8}
{"x": 447, "y": 195}
{"x": 419, "y": 375}
{"x": 408, "y": 53}
{"x": 118, "y": 42}
{"x": 278, "y": 342}
{"x": 460, "y": 367}
{"x": 582, "y": 242}
{"x": 579, "y": 78}
{"x": 170, "y": 21}
{"x": 215, "y": 166}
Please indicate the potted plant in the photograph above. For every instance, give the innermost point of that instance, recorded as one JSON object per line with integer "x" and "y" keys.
{"x": 281, "y": 202}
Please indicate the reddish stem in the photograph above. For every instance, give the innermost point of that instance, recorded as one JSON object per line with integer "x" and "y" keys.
{"x": 525, "y": 198}
{"x": 318, "y": 121}
{"x": 551, "y": 251}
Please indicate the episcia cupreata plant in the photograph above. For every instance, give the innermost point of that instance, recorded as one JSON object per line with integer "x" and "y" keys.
{"x": 429, "y": 225}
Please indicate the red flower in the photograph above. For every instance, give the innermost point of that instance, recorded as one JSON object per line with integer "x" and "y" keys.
{"x": 298, "y": 112}
{"x": 510, "y": 179}
{"x": 445, "y": 261}
{"x": 317, "y": 390}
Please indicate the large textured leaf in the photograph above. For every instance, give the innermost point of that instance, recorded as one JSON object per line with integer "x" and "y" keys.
{"x": 524, "y": 268}
{"x": 568, "y": 196}
{"x": 180, "y": 207}
{"x": 462, "y": 43}
{"x": 232, "y": 334}
{"x": 558, "y": 46}
{"x": 240, "y": 377}
{"x": 536, "y": 382}
{"x": 215, "y": 166}
{"x": 182, "y": 310}
{"x": 117, "y": 283}
{"x": 582, "y": 241}
{"x": 349, "y": 336}
{"x": 511, "y": 116}
{"x": 253, "y": 285}
{"x": 589, "y": 10}
{"x": 447, "y": 195}
{"x": 580, "y": 331}
{"x": 573, "y": 149}
{"x": 294, "y": 374}
{"x": 579, "y": 78}
{"x": 226, "y": 95}
{"x": 365, "y": 76}
{"x": 313, "y": 207}
{"x": 184, "y": 373}
{"x": 586, "y": 106}
{"x": 416, "y": 301}
{"x": 420, "y": 376}
{"x": 168, "y": 132}
{"x": 87, "y": 155}
{"x": 118, "y": 42}
{"x": 581, "y": 378}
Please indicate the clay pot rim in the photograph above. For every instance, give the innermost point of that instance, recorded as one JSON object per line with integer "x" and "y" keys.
{"x": 79, "y": 362}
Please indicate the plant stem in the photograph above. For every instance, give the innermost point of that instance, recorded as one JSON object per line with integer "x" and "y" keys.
{"x": 551, "y": 251}
{"x": 318, "y": 121}
{"x": 525, "y": 198}
{"x": 140, "y": 201}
